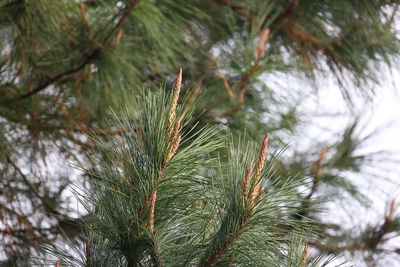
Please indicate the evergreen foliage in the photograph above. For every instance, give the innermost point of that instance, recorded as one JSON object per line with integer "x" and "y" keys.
{"x": 159, "y": 198}
{"x": 71, "y": 79}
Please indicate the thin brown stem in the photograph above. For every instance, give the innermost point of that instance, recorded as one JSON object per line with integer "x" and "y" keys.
{"x": 60, "y": 76}
{"x": 88, "y": 252}
{"x": 128, "y": 8}
{"x": 227, "y": 244}
{"x": 152, "y": 208}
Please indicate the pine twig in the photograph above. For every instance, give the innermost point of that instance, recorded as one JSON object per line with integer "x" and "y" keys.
{"x": 128, "y": 8}
{"x": 255, "y": 199}
{"x": 173, "y": 140}
{"x": 392, "y": 208}
{"x": 224, "y": 80}
{"x": 384, "y": 229}
{"x": 152, "y": 208}
{"x": 244, "y": 78}
{"x": 156, "y": 252}
{"x": 88, "y": 252}
{"x": 261, "y": 43}
{"x": 305, "y": 256}
{"x": 227, "y": 244}
{"x": 261, "y": 160}
{"x": 317, "y": 170}
{"x": 60, "y": 76}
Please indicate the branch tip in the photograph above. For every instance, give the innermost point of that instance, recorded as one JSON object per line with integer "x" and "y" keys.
{"x": 319, "y": 164}
{"x": 245, "y": 184}
{"x": 261, "y": 43}
{"x": 261, "y": 159}
{"x": 175, "y": 97}
{"x": 305, "y": 257}
{"x": 392, "y": 208}
{"x": 82, "y": 7}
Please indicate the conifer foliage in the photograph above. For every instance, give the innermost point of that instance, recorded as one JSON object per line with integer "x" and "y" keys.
{"x": 160, "y": 195}
{"x": 169, "y": 177}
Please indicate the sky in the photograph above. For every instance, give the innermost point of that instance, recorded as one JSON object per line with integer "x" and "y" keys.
{"x": 381, "y": 182}
{"x": 379, "y": 118}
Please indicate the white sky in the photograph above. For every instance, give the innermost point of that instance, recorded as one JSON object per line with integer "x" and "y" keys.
{"x": 383, "y": 113}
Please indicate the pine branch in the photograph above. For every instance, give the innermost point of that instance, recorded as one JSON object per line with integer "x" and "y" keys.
{"x": 248, "y": 184}
{"x": 22, "y": 220}
{"x": 127, "y": 11}
{"x": 240, "y": 91}
{"x": 378, "y": 236}
{"x": 68, "y": 127}
{"x": 244, "y": 80}
{"x": 93, "y": 56}
{"x": 317, "y": 170}
{"x": 173, "y": 139}
{"x": 60, "y": 76}
{"x": 227, "y": 244}
{"x": 156, "y": 252}
{"x": 33, "y": 189}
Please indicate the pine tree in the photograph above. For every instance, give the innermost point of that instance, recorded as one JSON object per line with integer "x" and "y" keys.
{"x": 69, "y": 69}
